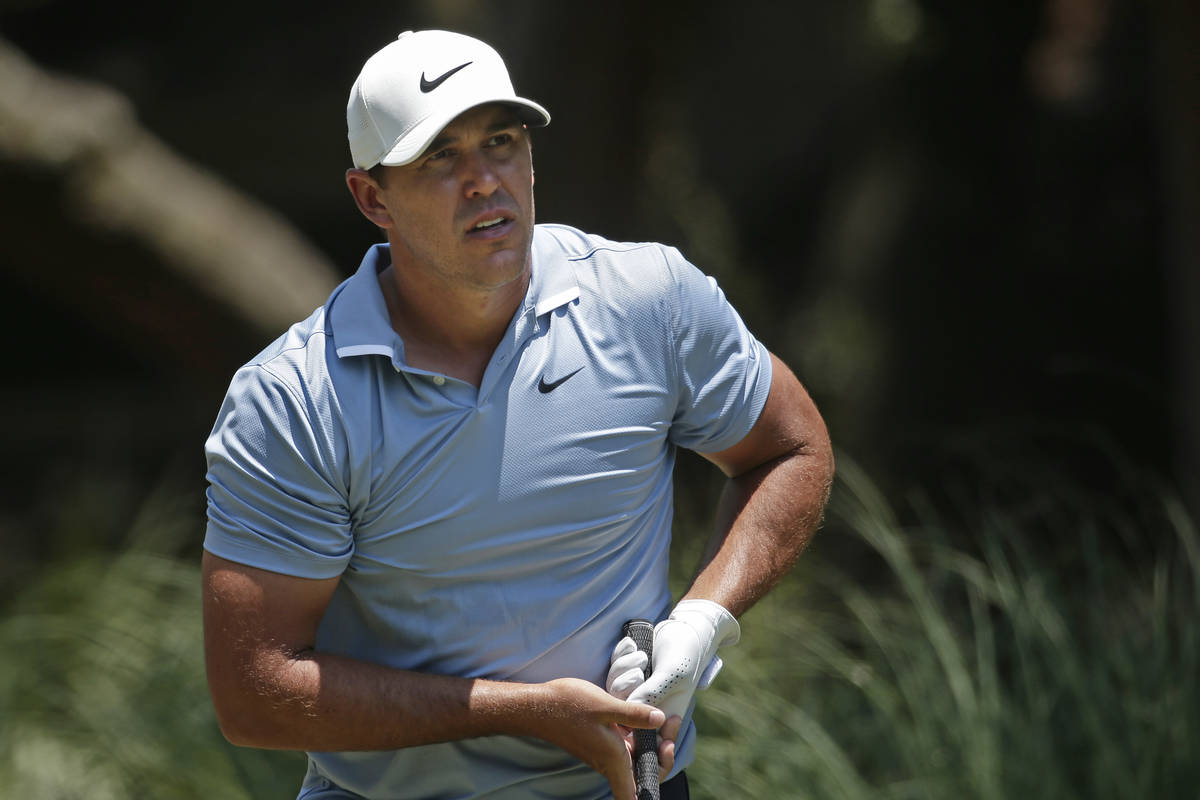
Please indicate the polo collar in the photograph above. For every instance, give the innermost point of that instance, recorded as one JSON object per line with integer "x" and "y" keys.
{"x": 553, "y": 282}
{"x": 358, "y": 314}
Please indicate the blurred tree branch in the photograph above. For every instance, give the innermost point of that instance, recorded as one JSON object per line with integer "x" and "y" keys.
{"x": 116, "y": 177}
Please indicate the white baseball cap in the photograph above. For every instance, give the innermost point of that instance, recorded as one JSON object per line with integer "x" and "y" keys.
{"x": 412, "y": 88}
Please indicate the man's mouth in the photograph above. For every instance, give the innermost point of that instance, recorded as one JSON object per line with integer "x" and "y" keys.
{"x": 486, "y": 224}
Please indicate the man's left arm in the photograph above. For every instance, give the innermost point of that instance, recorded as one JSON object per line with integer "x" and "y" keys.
{"x": 780, "y": 475}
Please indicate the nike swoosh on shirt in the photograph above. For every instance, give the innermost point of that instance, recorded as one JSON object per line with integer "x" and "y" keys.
{"x": 429, "y": 86}
{"x": 546, "y": 388}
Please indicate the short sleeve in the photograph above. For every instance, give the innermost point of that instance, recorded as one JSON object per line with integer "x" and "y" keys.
{"x": 274, "y": 497}
{"x": 723, "y": 371}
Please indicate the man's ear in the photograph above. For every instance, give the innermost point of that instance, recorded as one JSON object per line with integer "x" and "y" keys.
{"x": 366, "y": 193}
{"x": 529, "y": 139}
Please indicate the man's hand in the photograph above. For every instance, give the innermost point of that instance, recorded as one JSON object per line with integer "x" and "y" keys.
{"x": 685, "y": 657}
{"x": 593, "y": 726}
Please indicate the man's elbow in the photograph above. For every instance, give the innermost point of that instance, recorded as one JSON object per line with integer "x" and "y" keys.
{"x": 809, "y": 468}
{"x": 247, "y": 718}
{"x": 821, "y": 452}
{"x": 238, "y": 736}
{"x": 240, "y": 723}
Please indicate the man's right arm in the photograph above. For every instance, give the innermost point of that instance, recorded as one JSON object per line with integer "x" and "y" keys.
{"x": 272, "y": 689}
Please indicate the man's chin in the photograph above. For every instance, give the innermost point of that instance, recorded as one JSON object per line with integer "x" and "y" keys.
{"x": 502, "y": 269}
{"x": 512, "y": 259}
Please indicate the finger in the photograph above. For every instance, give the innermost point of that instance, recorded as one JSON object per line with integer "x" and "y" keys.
{"x": 666, "y": 758}
{"x": 667, "y": 735}
{"x": 639, "y": 715}
{"x": 623, "y": 787}
{"x": 670, "y": 729}
{"x": 625, "y": 673}
{"x": 636, "y": 659}
{"x": 620, "y": 778}
{"x": 621, "y": 686}
{"x": 666, "y": 746}
{"x": 624, "y": 648}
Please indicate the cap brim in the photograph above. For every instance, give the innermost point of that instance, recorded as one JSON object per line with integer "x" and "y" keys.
{"x": 410, "y": 146}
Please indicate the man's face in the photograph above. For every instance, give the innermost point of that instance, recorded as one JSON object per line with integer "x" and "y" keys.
{"x": 463, "y": 211}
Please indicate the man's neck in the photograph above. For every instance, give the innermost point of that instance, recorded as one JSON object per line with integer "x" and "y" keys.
{"x": 451, "y": 332}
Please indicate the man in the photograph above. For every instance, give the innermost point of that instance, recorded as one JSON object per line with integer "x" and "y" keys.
{"x": 433, "y": 503}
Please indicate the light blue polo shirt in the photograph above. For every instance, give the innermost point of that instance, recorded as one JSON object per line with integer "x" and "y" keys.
{"x": 505, "y": 532}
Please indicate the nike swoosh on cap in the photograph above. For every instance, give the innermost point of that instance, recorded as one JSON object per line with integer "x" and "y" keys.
{"x": 428, "y": 86}
{"x": 546, "y": 388}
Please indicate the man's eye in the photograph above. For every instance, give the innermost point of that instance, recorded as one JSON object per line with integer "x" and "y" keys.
{"x": 500, "y": 139}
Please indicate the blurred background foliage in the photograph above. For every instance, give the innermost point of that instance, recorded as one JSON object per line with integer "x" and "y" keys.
{"x": 971, "y": 228}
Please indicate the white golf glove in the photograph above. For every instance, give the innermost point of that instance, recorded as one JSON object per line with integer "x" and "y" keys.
{"x": 685, "y": 657}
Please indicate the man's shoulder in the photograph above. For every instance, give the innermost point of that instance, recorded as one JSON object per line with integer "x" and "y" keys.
{"x": 574, "y": 244}
{"x": 602, "y": 264}
{"x": 298, "y": 356}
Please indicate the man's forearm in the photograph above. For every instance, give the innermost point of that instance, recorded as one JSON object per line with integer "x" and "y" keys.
{"x": 780, "y": 475}
{"x": 326, "y": 702}
{"x": 767, "y": 515}
{"x": 765, "y": 519}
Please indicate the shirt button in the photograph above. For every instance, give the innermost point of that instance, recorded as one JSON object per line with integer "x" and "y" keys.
{"x": 439, "y": 380}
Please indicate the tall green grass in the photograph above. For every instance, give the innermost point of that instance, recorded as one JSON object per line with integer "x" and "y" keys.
{"x": 102, "y": 687}
{"x": 986, "y": 668}
{"x": 957, "y": 657}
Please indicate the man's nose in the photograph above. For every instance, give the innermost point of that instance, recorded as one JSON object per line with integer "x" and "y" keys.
{"x": 479, "y": 175}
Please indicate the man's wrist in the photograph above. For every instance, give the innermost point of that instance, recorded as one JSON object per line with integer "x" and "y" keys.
{"x": 507, "y": 708}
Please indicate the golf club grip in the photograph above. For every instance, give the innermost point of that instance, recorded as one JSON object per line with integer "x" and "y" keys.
{"x": 645, "y": 742}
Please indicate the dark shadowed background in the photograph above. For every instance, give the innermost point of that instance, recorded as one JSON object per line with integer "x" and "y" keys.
{"x": 970, "y": 227}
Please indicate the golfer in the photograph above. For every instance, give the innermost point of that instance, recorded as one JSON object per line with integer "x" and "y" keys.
{"x": 433, "y": 503}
